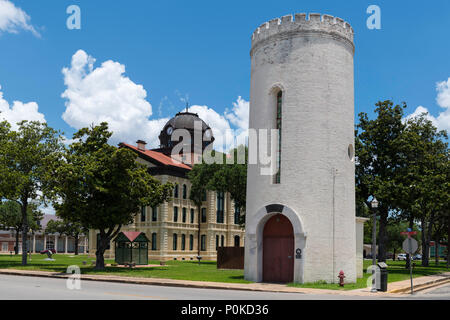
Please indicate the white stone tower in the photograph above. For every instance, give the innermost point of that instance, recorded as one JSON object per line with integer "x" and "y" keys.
{"x": 302, "y": 69}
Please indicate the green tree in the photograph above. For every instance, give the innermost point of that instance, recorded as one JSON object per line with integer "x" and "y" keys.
{"x": 377, "y": 145}
{"x": 102, "y": 187}
{"x": 229, "y": 176}
{"x": 199, "y": 177}
{"x": 11, "y": 218}
{"x": 232, "y": 178}
{"x": 28, "y": 158}
{"x": 423, "y": 187}
{"x": 67, "y": 228}
{"x": 395, "y": 238}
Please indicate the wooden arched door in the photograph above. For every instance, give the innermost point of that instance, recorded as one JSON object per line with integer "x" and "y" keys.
{"x": 278, "y": 250}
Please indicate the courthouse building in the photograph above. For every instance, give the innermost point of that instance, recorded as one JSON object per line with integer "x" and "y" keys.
{"x": 173, "y": 227}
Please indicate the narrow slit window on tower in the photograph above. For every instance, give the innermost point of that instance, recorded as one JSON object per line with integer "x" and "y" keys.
{"x": 278, "y": 127}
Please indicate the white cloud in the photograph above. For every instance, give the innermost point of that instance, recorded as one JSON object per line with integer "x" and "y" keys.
{"x": 239, "y": 114}
{"x": 239, "y": 117}
{"x": 14, "y": 19}
{"x": 47, "y": 209}
{"x": 101, "y": 94}
{"x": 442, "y": 121}
{"x": 19, "y": 111}
{"x": 105, "y": 94}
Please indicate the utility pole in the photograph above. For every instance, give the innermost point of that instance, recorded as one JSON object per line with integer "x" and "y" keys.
{"x": 374, "y": 204}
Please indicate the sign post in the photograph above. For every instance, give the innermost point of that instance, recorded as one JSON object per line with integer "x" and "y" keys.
{"x": 410, "y": 247}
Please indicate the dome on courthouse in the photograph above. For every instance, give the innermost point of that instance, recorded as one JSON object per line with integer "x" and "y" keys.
{"x": 184, "y": 120}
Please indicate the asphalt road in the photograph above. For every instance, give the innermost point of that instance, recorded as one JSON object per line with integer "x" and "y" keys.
{"x": 36, "y": 288}
{"x": 440, "y": 291}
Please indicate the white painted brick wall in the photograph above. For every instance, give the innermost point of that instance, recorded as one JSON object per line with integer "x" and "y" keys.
{"x": 314, "y": 68}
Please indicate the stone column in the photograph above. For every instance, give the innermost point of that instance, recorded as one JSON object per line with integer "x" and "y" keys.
{"x": 85, "y": 245}
{"x": 65, "y": 248}
{"x": 56, "y": 243}
{"x": 45, "y": 241}
{"x": 34, "y": 243}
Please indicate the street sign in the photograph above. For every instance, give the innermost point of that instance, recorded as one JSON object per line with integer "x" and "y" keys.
{"x": 408, "y": 233}
{"x": 410, "y": 245}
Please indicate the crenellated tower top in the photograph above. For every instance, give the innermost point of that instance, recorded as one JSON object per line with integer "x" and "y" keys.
{"x": 302, "y": 24}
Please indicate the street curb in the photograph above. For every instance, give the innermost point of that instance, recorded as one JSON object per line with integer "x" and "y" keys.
{"x": 148, "y": 281}
{"x": 176, "y": 283}
{"x": 421, "y": 286}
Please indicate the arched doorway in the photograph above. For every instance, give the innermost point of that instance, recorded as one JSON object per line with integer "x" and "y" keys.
{"x": 278, "y": 250}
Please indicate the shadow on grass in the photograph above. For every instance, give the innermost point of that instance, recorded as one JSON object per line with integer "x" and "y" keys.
{"x": 123, "y": 270}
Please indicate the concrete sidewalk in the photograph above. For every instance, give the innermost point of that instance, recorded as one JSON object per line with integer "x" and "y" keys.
{"x": 394, "y": 288}
{"x": 420, "y": 283}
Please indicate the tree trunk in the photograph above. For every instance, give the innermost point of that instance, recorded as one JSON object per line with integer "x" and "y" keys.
{"x": 448, "y": 241}
{"x": 428, "y": 239}
{"x": 436, "y": 249}
{"x": 16, "y": 248}
{"x": 382, "y": 236}
{"x": 199, "y": 236}
{"x": 105, "y": 238}
{"x": 99, "y": 259}
{"x": 393, "y": 257}
{"x": 76, "y": 244}
{"x": 425, "y": 244}
{"x": 24, "y": 230}
{"x": 99, "y": 254}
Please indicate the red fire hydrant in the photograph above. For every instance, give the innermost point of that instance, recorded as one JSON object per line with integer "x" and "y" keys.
{"x": 341, "y": 277}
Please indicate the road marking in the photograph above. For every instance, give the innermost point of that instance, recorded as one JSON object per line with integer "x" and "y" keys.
{"x": 135, "y": 295}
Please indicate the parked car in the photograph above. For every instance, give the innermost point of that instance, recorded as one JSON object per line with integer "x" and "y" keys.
{"x": 417, "y": 257}
{"x": 401, "y": 256}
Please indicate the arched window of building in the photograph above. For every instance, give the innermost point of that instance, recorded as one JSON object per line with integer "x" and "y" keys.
{"x": 220, "y": 207}
{"x": 155, "y": 214}
{"x": 191, "y": 242}
{"x": 237, "y": 241}
{"x": 175, "y": 191}
{"x": 175, "y": 214}
{"x": 203, "y": 243}
{"x": 175, "y": 240}
{"x": 203, "y": 215}
{"x": 184, "y": 215}
{"x": 183, "y": 242}
{"x": 142, "y": 214}
{"x": 184, "y": 191}
{"x": 192, "y": 215}
{"x": 237, "y": 214}
{"x": 154, "y": 241}
{"x": 278, "y": 127}
{"x": 222, "y": 241}
{"x": 217, "y": 242}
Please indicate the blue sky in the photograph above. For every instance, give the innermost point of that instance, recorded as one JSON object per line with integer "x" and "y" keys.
{"x": 200, "y": 50}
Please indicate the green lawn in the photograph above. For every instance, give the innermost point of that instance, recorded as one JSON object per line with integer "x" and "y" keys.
{"x": 206, "y": 271}
{"x": 396, "y": 272}
{"x": 181, "y": 270}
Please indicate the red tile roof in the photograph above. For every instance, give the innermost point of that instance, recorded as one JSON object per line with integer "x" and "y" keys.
{"x": 131, "y": 235}
{"x": 158, "y": 156}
